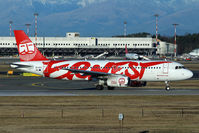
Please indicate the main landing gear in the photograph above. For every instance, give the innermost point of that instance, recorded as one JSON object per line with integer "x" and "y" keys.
{"x": 110, "y": 88}
{"x": 102, "y": 83}
{"x": 101, "y": 87}
{"x": 167, "y": 85}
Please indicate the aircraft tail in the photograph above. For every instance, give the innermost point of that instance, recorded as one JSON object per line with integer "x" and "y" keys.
{"x": 27, "y": 50}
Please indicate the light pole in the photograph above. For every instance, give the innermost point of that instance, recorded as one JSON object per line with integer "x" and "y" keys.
{"x": 10, "y": 22}
{"x": 36, "y": 15}
{"x": 125, "y": 23}
{"x": 156, "y": 17}
{"x": 28, "y": 25}
{"x": 175, "y": 47}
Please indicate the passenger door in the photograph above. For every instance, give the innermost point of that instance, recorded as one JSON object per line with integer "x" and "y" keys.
{"x": 163, "y": 73}
{"x": 166, "y": 68}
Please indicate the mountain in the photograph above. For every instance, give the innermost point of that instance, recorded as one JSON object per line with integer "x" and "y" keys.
{"x": 100, "y": 17}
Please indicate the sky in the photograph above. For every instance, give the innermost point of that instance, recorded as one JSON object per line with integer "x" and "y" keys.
{"x": 100, "y": 17}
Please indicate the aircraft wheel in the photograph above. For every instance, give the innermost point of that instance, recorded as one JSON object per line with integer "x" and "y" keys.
{"x": 99, "y": 87}
{"x": 167, "y": 88}
{"x": 110, "y": 88}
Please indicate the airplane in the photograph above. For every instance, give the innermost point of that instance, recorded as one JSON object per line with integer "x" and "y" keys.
{"x": 134, "y": 56}
{"x": 194, "y": 52}
{"x": 96, "y": 57}
{"x": 109, "y": 73}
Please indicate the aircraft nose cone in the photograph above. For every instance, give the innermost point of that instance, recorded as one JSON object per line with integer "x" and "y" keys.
{"x": 188, "y": 74}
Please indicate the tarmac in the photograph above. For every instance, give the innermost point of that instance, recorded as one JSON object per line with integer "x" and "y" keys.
{"x": 39, "y": 86}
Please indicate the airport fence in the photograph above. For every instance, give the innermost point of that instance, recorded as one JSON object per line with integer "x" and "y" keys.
{"x": 46, "y": 111}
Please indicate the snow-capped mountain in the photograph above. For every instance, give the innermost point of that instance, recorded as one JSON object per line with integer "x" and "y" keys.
{"x": 100, "y": 17}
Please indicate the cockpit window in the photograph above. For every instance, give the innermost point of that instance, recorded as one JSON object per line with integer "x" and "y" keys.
{"x": 179, "y": 67}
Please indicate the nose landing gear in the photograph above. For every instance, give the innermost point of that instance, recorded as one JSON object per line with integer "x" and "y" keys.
{"x": 167, "y": 88}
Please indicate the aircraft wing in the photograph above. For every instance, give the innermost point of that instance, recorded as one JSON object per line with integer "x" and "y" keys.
{"x": 92, "y": 73}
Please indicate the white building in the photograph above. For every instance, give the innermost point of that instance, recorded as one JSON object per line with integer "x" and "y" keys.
{"x": 165, "y": 48}
{"x": 74, "y": 44}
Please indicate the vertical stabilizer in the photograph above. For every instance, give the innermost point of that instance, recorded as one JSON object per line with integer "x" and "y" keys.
{"x": 27, "y": 50}
{"x": 126, "y": 51}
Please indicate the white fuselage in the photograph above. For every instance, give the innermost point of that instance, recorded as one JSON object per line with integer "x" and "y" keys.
{"x": 135, "y": 70}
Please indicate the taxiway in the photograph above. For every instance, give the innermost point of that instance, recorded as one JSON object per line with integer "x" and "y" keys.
{"x": 39, "y": 86}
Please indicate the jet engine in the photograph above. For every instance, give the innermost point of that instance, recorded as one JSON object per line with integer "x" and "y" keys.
{"x": 118, "y": 81}
{"x": 122, "y": 81}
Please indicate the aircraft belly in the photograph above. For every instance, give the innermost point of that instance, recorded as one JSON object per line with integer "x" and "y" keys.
{"x": 149, "y": 77}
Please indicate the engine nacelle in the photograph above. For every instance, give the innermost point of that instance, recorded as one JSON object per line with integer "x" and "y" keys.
{"x": 118, "y": 81}
{"x": 137, "y": 83}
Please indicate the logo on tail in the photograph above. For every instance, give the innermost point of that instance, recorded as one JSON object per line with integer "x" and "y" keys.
{"x": 27, "y": 51}
{"x": 27, "y": 48}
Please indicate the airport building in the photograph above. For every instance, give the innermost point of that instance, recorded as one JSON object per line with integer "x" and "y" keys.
{"x": 165, "y": 49}
{"x": 73, "y": 44}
